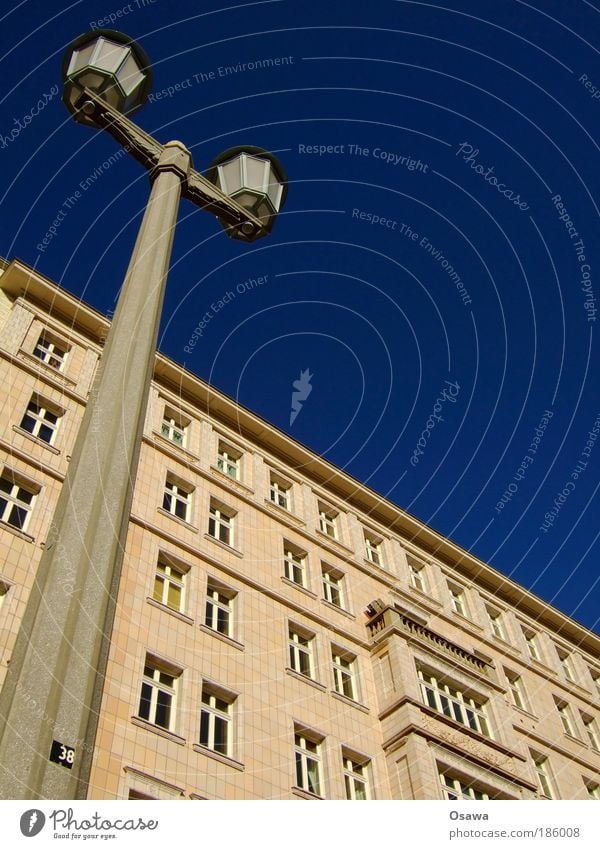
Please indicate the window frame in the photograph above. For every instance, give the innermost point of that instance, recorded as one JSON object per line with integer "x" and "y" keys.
{"x": 303, "y": 754}
{"x": 344, "y": 671}
{"x": 221, "y": 518}
{"x": 544, "y": 777}
{"x": 356, "y": 770}
{"x": 228, "y": 458}
{"x": 13, "y": 502}
{"x": 531, "y": 641}
{"x": 329, "y": 520}
{"x": 301, "y": 651}
{"x": 497, "y": 624}
{"x": 566, "y": 660}
{"x": 517, "y": 690}
{"x": 449, "y": 700}
{"x": 177, "y": 492}
{"x": 458, "y": 600}
{"x": 280, "y": 490}
{"x": 456, "y": 789}
{"x": 156, "y": 686}
{"x": 333, "y": 581}
{"x": 44, "y": 407}
{"x": 50, "y": 344}
{"x": 168, "y": 579}
{"x": 417, "y": 576}
{"x": 591, "y": 726}
{"x": 295, "y": 563}
{"x": 175, "y": 423}
{"x": 373, "y": 549}
{"x": 222, "y": 607}
{"x": 217, "y": 717}
{"x": 566, "y": 717}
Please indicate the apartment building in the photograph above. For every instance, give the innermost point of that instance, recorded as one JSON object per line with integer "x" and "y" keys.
{"x": 282, "y": 632}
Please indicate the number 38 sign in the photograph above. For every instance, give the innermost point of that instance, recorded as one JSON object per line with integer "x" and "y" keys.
{"x": 61, "y": 754}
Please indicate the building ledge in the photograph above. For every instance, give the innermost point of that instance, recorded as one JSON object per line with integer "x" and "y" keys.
{"x": 177, "y": 613}
{"x": 224, "y": 545}
{"x": 300, "y": 677}
{"x": 296, "y": 586}
{"x": 282, "y": 513}
{"x": 232, "y": 483}
{"x": 42, "y": 442}
{"x": 216, "y": 756}
{"x": 305, "y": 794}
{"x": 338, "y": 609}
{"x": 223, "y": 637}
{"x": 179, "y": 521}
{"x": 351, "y": 702}
{"x": 156, "y": 729}
{"x": 5, "y": 526}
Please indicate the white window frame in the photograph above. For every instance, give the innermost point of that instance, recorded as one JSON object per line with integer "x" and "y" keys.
{"x": 343, "y": 665}
{"x": 459, "y": 790}
{"x": 229, "y": 461}
{"x": 328, "y": 521}
{"x": 280, "y": 492}
{"x": 333, "y": 583}
{"x": 222, "y": 521}
{"x": 417, "y": 576}
{"x": 448, "y": 700}
{"x": 214, "y": 716}
{"x": 458, "y": 601}
{"x": 356, "y": 777}
{"x": 496, "y": 623}
{"x": 177, "y": 493}
{"x": 542, "y": 769}
{"x": 294, "y": 565}
{"x": 373, "y": 549}
{"x": 42, "y": 418}
{"x": 517, "y": 690}
{"x": 154, "y": 683}
{"x": 301, "y": 651}
{"x": 4, "y": 588}
{"x": 531, "y": 641}
{"x": 174, "y": 427}
{"x": 591, "y": 727}
{"x": 14, "y": 505}
{"x": 51, "y": 353}
{"x": 219, "y": 611}
{"x": 566, "y": 717}
{"x": 166, "y": 575}
{"x": 566, "y": 664}
{"x": 593, "y": 790}
{"x": 307, "y": 751}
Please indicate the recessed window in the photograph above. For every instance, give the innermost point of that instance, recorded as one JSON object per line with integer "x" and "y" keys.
{"x": 221, "y": 522}
{"x": 460, "y": 789}
{"x": 174, "y": 426}
{"x": 344, "y": 672}
{"x": 596, "y": 681}
{"x": 219, "y": 607}
{"x": 177, "y": 498}
{"x": 566, "y": 717}
{"x": 448, "y": 700}
{"x": 16, "y": 500}
{"x": 531, "y": 641}
{"x": 333, "y": 586}
{"x": 356, "y": 776}
{"x": 216, "y": 720}
{"x": 50, "y": 351}
{"x": 41, "y": 419}
{"x": 373, "y": 549}
{"x": 229, "y": 461}
{"x": 593, "y": 789}
{"x": 545, "y": 781}
{"x": 328, "y": 521}
{"x": 280, "y": 492}
{"x": 496, "y": 623}
{"x": 457, "y": 600}
{"x": 416, "y": 573}
{"x": 517, "y": 690}
{"x": 301, "y": 651}
{"x": 591, "y": 728}
{"x": 3, "y": 593}
{"x": 566, "y": 664}
{"x": 308, "y": 763}
{"x": 158, "y": 695}
{"x": 169, "y": 583}
{"x": 294, "y": 564}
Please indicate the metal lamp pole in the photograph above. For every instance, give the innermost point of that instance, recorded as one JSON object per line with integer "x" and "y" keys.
{"x": 50, "y": 701}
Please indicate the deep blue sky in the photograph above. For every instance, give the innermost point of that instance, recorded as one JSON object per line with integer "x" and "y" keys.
{"x": 373, "y": 314}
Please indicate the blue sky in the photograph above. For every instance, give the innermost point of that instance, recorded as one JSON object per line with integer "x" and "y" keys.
{"x": 436, "y": 267}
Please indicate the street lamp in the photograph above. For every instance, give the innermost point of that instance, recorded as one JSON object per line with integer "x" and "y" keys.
{"x": 51, "y": 698}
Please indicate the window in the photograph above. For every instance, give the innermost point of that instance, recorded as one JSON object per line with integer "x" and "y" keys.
{"x": 300, "y": 645}
{"x": 593, "y": 790}
{"x": 139, "y": 797}
{"x": 174, "y": 427}
{"x": 3, "y": 593}
{"x": 373, "y": 550}
{"x": 496, "y": 623}
{"x": 280, "y": 492}
{"x": 517, "y": 690}
{"x": 328, "y": 521}
{"x": 458, "y": 789}
{"x": 344, "y": 672}
{"x": 216, "y": 720}
{"x": 416, "y": 572}
{"x": 531, "y": 641}
{"x": 16, "y": 501}
{"x": 177, "y": 498}
{"x": 596, "y": 679}
{"x": 567, "y": 665}
{"x": 294, "y": 564}
{"x": 219, "y": 607}
{"x": 50, "y": 352}
{"x": 228, "y": 461}
{"x": 168, "y": 584}
{"x": 157, "y": 699}
{"x": 308, "y": 763}
{"x": 566, "y": 718}
{"x": 221, "y": 522}
{"x": 333, "y": 586}
{"x": 356, "y": 777}
{"x": 451, "y": 702}
{"x": 591, "y": 728}
{"x": 457, "y": 600}
{"x": 542, "y": 771}
{"x": 41, "y": 419}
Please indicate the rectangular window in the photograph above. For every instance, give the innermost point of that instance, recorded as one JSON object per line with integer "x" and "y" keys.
{"x": 280, "y": 492}
{"x": 542, "y": 771}
{"x": 219, "y": 607}
{"x": 593, "y": 790}
{"x": 566, "y": 718}
{"x": 457, "y": 600}
{"x": 453, "y": 703}
{"x": 591, "y": 728}
{"x": 328, "y": 518}
{"x": 308, "y": 763}
{"x": 41, "y": 419}
{"x": 300, "y": 645}
{"x": 50, "y": 352}
{"x": 216, "y": 720}
{"x": 174, "y": 427}
{"x": 221, "y": 523}
{"x": 16, "y": 501}
{"x": 294, "y": 564}
{"x": 517, "y": 690}
{"x": 157, "y": 699}
{"x": 496, "y": 623}
{"x": 531, "y": 641}
{"x": 168, "y": 584}
{"x": 416, "y": 573}
{"x": 458, "y": 789}
{"x": 356, "y": 776}
{"x": 373, "y": 550}
{"x": 344, "y": 672}
{"x": 3, "y": 593}
{"x": 596, "y": 681}
{"x": 567, "y": 665}
{"x": 229, "y": 461}
{"x": 177, "y": 499}
{"x": 333, "y": 586}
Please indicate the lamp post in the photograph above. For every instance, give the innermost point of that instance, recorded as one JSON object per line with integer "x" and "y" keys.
{"x": 51, "y": 698}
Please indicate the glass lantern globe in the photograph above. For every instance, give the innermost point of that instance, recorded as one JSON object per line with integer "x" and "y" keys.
{"x": 256, "y": 180}
{"x": 111, "y": 65}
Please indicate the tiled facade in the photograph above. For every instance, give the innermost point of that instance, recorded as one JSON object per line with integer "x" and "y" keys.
{"x": 282, "y": 632}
